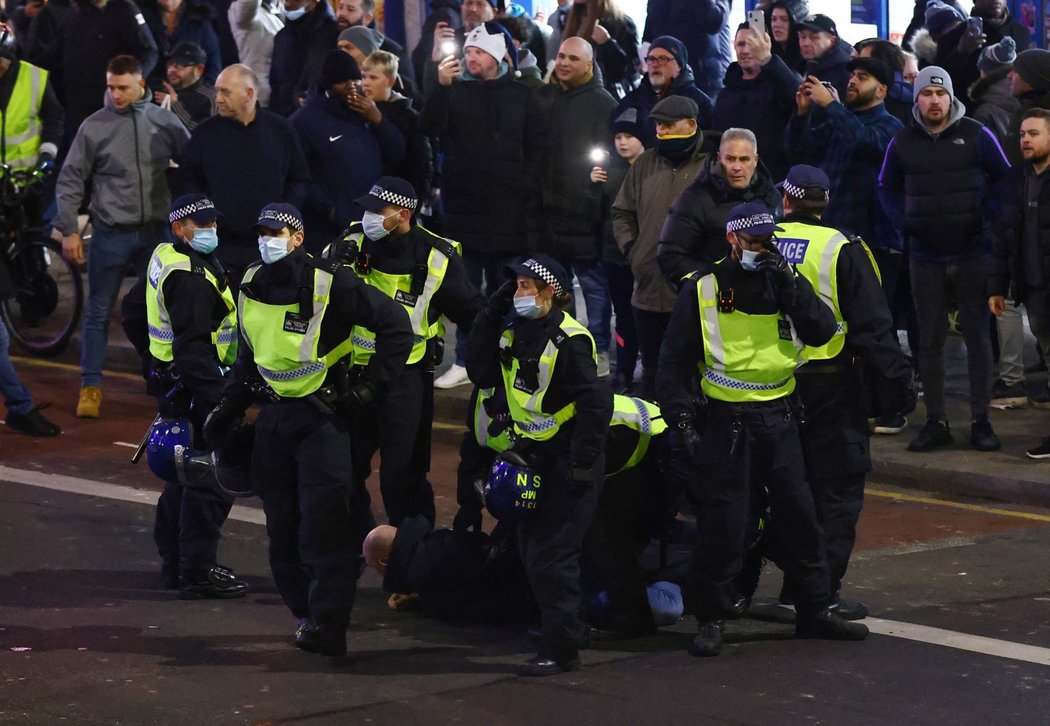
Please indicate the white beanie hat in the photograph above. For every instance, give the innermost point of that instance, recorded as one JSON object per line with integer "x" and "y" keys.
{"x": 495, "y": 44}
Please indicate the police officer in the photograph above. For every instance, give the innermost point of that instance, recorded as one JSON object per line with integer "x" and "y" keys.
{"x": 743, "y": 325}
{"x": 547, "y": 365}
{"x": 835, "y": 434}
{"x": 192, "y": 326}
{"x": 33, "y": 116}
{"x": 424, "y": 273}
{"x": 295, "y": 315}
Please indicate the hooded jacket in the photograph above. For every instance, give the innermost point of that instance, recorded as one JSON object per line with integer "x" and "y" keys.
{"x": 488, "y": 134}
{"x": 254, "y": 26}
{"x": 652, "y": 184}
{"x": 573, "y": 121}
{"x": 963, "y": 69}
{"x": 645, "y": 97}
{"x": 125, "y": 154}
{"x": 994, "y": 106}
{"x": 694, "y": 235}
{"x": 299, "y": 50}
{"x": 940, "y": 188}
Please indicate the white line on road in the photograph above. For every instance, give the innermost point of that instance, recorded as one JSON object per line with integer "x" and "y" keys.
{"x": 892, "y": 628}
{"x": 76, "y": 485}
{"x": 128, "y": 444}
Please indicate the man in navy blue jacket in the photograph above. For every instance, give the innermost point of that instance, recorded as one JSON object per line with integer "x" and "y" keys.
{"x": 703, "y": 26}
{"x": 347, "y": 140}
{"x": 940, "y": 182}
{"x": 243, "y": 158}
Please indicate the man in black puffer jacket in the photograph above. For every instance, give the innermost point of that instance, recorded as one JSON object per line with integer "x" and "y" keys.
{"x": 694, "y": 235}
{"x": 939, "y": 184}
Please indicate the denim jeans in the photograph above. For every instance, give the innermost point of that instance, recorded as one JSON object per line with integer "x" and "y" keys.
{"x": 111, "y": 253}
{"x": 933, "y": 285}
{"x": 16, "y": 396}
{"x": 596, "y": 299}
{"x": 485, "y": 273}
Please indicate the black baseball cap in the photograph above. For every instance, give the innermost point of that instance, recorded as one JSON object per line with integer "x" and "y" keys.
{"x": 874, "y": 68}
{"x": 196, "y": 207}
{"x": 819, "y": 23}
{"x": 187, "y": 54}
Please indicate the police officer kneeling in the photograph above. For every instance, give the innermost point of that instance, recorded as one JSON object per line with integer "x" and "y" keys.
{"x": 546, "y": 363}
{"x": 192, "y": 333}
{"x": 744, "y": 325}
{"x": 295, "y": 316}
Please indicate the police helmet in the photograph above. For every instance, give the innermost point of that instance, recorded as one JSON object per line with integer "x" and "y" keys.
{"x": 233, "y": 462}
{"x": 513, "y": 489}
{"x": 171, "y": 456}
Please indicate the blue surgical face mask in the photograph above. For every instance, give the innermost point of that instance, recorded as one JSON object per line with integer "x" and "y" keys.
{"x": 527, "y": 307}
{"x": 205, "y": 240}
{"x": 748, "y": 259}
{"x": 372, "y": 224}
{"x": 273, "y": 248}
{"x": 294, "y": 14}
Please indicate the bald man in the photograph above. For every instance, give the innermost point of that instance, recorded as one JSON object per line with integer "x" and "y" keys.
{"x": 575, "y": 112}
{"x": 242, "y": 159}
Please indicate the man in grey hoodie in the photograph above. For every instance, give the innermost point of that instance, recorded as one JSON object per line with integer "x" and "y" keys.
{"x": 123, "y": 150}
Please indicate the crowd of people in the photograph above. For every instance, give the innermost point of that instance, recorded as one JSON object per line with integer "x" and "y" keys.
{"x": 304, "y": 201}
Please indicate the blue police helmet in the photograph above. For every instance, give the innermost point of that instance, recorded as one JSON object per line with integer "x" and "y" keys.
{"x": 168, "y": 437}
{"x": 514, "y": 488}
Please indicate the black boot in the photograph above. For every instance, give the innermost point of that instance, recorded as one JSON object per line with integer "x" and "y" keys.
{"x": 543, "y": 665}
{"x": 215, "y": 583}
{"x": 322, "y": 639}
{"x": 708, "y": 641}
{"x": 826, "y": 625}
{"x": 850, "y": 609}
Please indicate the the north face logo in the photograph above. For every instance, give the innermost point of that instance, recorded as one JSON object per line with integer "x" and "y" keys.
{"x": 936, "y": 81}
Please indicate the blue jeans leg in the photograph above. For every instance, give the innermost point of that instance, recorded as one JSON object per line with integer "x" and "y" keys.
{"x": 110, "y": 255}
{"x": 16, "y": 396}
{"x": 596, "y": 298}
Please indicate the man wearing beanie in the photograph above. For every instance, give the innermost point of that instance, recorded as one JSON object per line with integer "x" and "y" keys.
{"x": 299, "y": 51}
{"x": 959, "y": 49}
{"x": 347, "y": 142}
{"x": 703, "y": 28}
{"x": 359, "y": 42}
{"x": 758, "y": 80}
{"x": 481, "y": 114}
{"x": 361, "y": 13}
{"x": 1030, "y": 85}
{"x": 939, "y": 177}
{"x": 650, "y": 187}
{"x": 667, "y": 74}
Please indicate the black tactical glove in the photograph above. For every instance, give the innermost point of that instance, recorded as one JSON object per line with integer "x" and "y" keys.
{"x": 468, "y": 518}
{"x": 502, "y": 300}
{"x": 360, "y": 395}
{"x": 220, "y": 421}
{"x": 175, "y": 403}
{"x": 779, "y": 271}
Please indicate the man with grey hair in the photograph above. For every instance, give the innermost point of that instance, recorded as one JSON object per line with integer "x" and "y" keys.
{"x": 693, "y": 238}
{"x": 243, "y": 158}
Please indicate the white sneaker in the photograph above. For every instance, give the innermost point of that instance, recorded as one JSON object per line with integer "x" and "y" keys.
{"x": 456, "y": 375}
{"x": 603, "y": 365}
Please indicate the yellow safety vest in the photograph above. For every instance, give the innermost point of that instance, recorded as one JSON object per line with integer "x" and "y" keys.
{"x": 166, "y": 260}
{"x": 526, "y": 406}
{"x": 747, "y": 358}
{"x": 284, "y": 345}
{"x": 20, "y": 121}
{"x": 815, "y": 250}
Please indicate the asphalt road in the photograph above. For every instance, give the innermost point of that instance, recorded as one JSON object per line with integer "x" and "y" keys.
{"x": 958, "y": 591}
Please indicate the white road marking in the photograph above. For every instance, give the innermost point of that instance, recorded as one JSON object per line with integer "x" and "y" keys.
{"x": 119, "y": 492}
{"x": 126, "y": 443}
{"x": 892, "y": 628}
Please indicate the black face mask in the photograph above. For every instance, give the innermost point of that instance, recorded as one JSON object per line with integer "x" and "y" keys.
{"x": 677, "y": 148}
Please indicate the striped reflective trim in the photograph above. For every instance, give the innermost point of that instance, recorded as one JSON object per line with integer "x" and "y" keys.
{"x": 712, "y": 328}
{"x": 300, "y": 372}
{"x": 726, "y": 382}
{"x": 166, "y": 335}
{"x": 225, "y": 337}
{"x": 362, "y": 342}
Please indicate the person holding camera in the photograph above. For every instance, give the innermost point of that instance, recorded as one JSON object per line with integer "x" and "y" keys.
{"x": 743, "y": 326}
{"x": 547, "y": 364}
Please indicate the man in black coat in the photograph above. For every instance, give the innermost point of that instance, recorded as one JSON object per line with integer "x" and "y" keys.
{"x": 826, "y": 55}
{"x": 299, "y": 50}
{"x": 693, "y": 238}
{"x": 703, "y": 26}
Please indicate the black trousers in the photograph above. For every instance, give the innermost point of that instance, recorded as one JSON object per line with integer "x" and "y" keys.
{"x": 621, "y": 285}
{"x": 550, "y": 544}
{"x": 392, "y": 427}
{"x": 316, "y": 517}
{"x": 743, "y": 444}
{"x": 651, "y": 328}
{"x": 188, "y": 526}
{"x": 835, "y": 443}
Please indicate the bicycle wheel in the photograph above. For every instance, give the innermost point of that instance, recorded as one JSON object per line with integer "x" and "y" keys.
{"x": 48, "y": 298}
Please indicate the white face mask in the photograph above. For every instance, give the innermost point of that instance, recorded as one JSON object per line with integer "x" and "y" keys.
{"x": 204, "y": 240}
{"x": 372, "y": 224}
{"x": 528, "y": 307}
{"x": 295, "y": 14}
{"x": 747, "y": 259}
{"x": 273, "y": 248}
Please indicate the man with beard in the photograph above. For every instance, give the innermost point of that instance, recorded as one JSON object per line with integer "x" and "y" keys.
{"x": 354, "y": 13}
{"x": 667, "y": 74}
{"x": 848, "y": 144}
